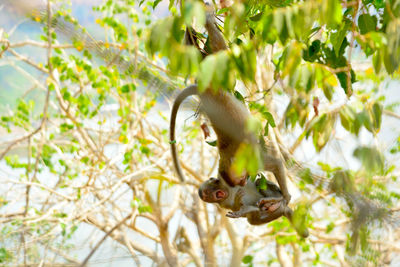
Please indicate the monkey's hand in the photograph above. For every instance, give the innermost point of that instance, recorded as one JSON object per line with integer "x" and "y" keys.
{"x": 287, "y": 198}
{"x": 234, "y": 214}
{"x": 244, "y": 210}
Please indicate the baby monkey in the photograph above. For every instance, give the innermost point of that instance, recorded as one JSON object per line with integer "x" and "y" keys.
{"x": 259, "y": 206}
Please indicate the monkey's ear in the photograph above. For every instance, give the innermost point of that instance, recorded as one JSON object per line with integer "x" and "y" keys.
{"x": 200, "y": 193}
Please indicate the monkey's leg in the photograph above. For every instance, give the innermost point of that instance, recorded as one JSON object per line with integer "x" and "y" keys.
{"x": 217, "y": 41}
{"x": 276, "y": 166}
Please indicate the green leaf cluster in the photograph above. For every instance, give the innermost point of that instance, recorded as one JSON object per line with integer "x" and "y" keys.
{"x": 370, "y": 117}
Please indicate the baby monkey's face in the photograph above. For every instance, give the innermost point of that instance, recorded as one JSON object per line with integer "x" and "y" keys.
{"x": 213, "y": 191}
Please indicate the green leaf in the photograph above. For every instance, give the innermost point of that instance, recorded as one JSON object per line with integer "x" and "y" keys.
{"x": 206, "y": 73}
{"x": 155, "y": 3}
{"x": 184, "y": 60}
{"x": 299, "y": 219}
{"x": 159, "y": 36}
{"x": 347, "y": 118}
{"x": 212, "y": 143}
{"x": 270, "y": 119}
{"x": 5, "y": 255}
{"x": 137, "y": 203}
{"x": 362, "y": 119}
{"x": 266, "y": 29}
{"x": 222, "y": 11}
{"x": 256, "y": 17}
{"x": 330, "y": 227}
{"x": 377, "y": 110}
{"x": 262, "y": 184}
{"x": 367, "y": 23}
{"x": 194, "y": 9}
{"x": 280, "y": 24}
{"x": 245, "y": 58}
{"x": 322, "y": 131}
{"x": 372, "y": 159}
{"x": 235, "y": 23}
{"x": 306, "y": 175}
{"x": 311, "y": 54}
{"x": 266, "y": 129}
{"x": 290, "y": 59}
{"x": 379, "y": 3}
{"x": 247, "y": 158}
{"x": 377, "y": 60}
{"x": 238, "y": 96}
{"x": 128, "y": 88}
{"x": 342, "y": 182}
{"x": 391, "y": 52}
{"x": 331, "y": 13}
{"x": 342, "y": 77}
{"x": 264, "y": 112}
{"x": 247, "y": 259}
{"x": 373, "y": 114}
{"x": 222, "y": 65}
{"x": 337, "y": 38}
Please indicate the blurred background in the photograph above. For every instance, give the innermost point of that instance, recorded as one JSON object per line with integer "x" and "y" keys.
{"x": 85, "y": 167}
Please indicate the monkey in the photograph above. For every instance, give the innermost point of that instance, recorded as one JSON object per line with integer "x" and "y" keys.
{"x": 229, "y": 118}
{"x": 259, "y": 206}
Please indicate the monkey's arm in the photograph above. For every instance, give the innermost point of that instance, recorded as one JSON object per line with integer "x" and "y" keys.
{"x": 216, "y": 39}
{"x": 242, "y": 206}
{"x": 243, "y": 212}
{"x": 276, "y": 166}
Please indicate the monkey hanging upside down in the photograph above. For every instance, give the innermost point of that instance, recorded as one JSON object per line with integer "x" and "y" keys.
{"x": 229, "y": 119}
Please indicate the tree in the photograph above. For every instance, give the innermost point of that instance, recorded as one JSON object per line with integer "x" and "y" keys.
{"x": 85, "y": 153}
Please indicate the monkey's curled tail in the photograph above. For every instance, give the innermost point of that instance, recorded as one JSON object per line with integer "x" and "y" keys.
{"x": 188, "y": 91}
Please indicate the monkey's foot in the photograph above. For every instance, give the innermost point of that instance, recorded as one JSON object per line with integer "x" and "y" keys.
{"x": 269, "y": 204}
{"x": 234, "y": 214}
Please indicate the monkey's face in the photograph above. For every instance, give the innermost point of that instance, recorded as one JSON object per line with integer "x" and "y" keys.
{"x": 213, "y": 190}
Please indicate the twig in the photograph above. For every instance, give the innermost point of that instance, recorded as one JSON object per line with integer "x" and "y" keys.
{"x": 104, "y": 238}
{"x": 17, "y": 141}
{"x": 5, "y": 47}
{"x": 28, "y": 61}
{"x": 43, "y": 187}
{"x": 391, "y": 114}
